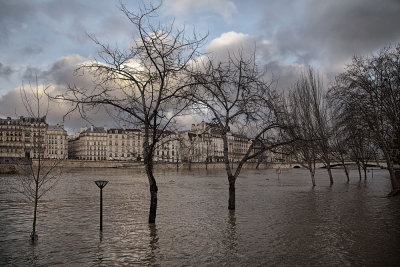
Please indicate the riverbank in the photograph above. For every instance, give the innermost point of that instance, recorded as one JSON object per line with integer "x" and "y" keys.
{"x": 9, "y": 167}
{"x": 14, "y": 166}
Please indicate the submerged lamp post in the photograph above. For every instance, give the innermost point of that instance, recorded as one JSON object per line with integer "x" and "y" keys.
{"x": 101, "y": 184}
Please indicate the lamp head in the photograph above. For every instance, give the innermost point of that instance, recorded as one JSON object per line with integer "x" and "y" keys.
{"x": 101, "y": 183}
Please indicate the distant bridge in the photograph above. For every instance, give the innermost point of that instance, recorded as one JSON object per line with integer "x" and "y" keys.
{"x": 320, "y": 165}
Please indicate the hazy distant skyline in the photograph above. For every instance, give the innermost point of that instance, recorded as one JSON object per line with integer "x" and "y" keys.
{"x": 48, "y": 37}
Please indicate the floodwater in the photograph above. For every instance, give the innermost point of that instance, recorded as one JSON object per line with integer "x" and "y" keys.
{"x": 278, "y": 221}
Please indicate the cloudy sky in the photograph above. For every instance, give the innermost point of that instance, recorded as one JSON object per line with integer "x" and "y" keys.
{"x": 48, "y": 38}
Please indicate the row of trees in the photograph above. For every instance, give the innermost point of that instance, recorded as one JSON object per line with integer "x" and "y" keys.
{"x": 357, "y": 119}
{"x": 326, "y": 131}
{"x": 366, "y": 101}
{"x": 163, "y": 76}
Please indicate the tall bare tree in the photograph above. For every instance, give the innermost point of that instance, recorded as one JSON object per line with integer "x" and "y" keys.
{"x": 369, "y": 90}
{"x": 143, "y": 84}
{"x": 308, "y": 110}
{"x": 238, "y": 99}
{"x": 36, "y": 178}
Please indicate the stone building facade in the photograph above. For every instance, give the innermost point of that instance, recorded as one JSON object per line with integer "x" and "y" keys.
{"x": 28, "y": 137}
{"x": 124, "y": 144}
{"x": 204, "y": 143}
{"x": 56, "y": 142}
{"x": 90, "y": 144}
{"x": 168, "y": 148}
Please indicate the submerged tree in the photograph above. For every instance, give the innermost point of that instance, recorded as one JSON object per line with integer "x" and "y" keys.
{"x": 369, "y": 90}
{"x": 36, "y": 177}
{"x": 144, "y": 84}
{"x": 340, "y": 147}
{"x": 307, "y": 110}
{"x": 361, "y": 149}
{"x": 237, "y": 98}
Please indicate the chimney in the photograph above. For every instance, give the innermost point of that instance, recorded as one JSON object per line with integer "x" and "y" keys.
{"x": 105, "y": 128}
{"x": 91, "y": 128}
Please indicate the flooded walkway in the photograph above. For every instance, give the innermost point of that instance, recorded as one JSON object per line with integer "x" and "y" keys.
{"x": 278, "y": 222}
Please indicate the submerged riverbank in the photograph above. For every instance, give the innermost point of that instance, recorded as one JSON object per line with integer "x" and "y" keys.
{"x": 11, "y": 167}
{"x": 279, "y": 220}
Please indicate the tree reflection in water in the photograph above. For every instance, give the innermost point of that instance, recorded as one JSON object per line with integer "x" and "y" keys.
{"x": 154, "y": 246}
{"x": 231, "y": 245}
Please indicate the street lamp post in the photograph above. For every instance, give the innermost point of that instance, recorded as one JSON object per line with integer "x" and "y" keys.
{"x": 101, "y": 184}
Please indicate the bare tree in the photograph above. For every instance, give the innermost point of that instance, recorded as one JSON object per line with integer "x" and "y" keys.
{"x": 305, "y": 149}
{"x": 352, "y": 141}
{"x": 369, "y": 90}
{"x": 308, "y": 111}
{"x": 236, "y": 98}
{"x": 340, "y": 147}
{"x": 143, "y": 84}
{"x": 36, "y": 178}
{"x": 361, "y": 148}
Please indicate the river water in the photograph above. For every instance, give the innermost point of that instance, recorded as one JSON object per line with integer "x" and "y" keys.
{"x": 278, "y": 221}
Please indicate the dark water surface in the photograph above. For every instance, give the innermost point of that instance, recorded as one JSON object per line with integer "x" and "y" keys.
{"x": 282, "y": 222}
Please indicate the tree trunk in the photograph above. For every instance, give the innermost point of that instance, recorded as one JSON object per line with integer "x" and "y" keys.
{"x": 153, "y": 204}
{"x": 393, "y": 179}
{"x": 153, "y": 194}
{"x": 347, "y": 173}
{"x": 153, "y": 186}
{"x": 258, "y": 164}
{"x": 328, "y": 166}
{"x": 312, "y": 178}
{"x": 231, "y": 204}
{"x": 365, "y": 173}
{"x": 33, "y": 234}
{"x": 359, "y": 170}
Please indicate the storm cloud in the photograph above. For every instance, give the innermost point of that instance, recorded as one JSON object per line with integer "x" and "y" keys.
{"x": 329, "y": 33}
{"x": 48, "y": 39}
{"x": 5, "y": 71}
{"x": 56, "y": 80}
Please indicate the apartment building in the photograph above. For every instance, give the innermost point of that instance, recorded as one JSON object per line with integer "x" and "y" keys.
{"x": 28, "y": 137}
{"x": 238, "y": 144}
{"x": 12, "y": 137}
{"x": 56, "y": 142}
{"x": 124, "y": 144}
{"x": 168, "y": 148}
{"x": 90, "y": 144}
{"x": 203, "y": 143}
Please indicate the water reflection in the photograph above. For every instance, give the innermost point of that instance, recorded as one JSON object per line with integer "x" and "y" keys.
{"x": 231, "y": 235}
{"x": 153, "y": 246}
{"x": 281, "y": 221}
{"x": 100, "y": 251}
{"x": 33, "y": 256}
